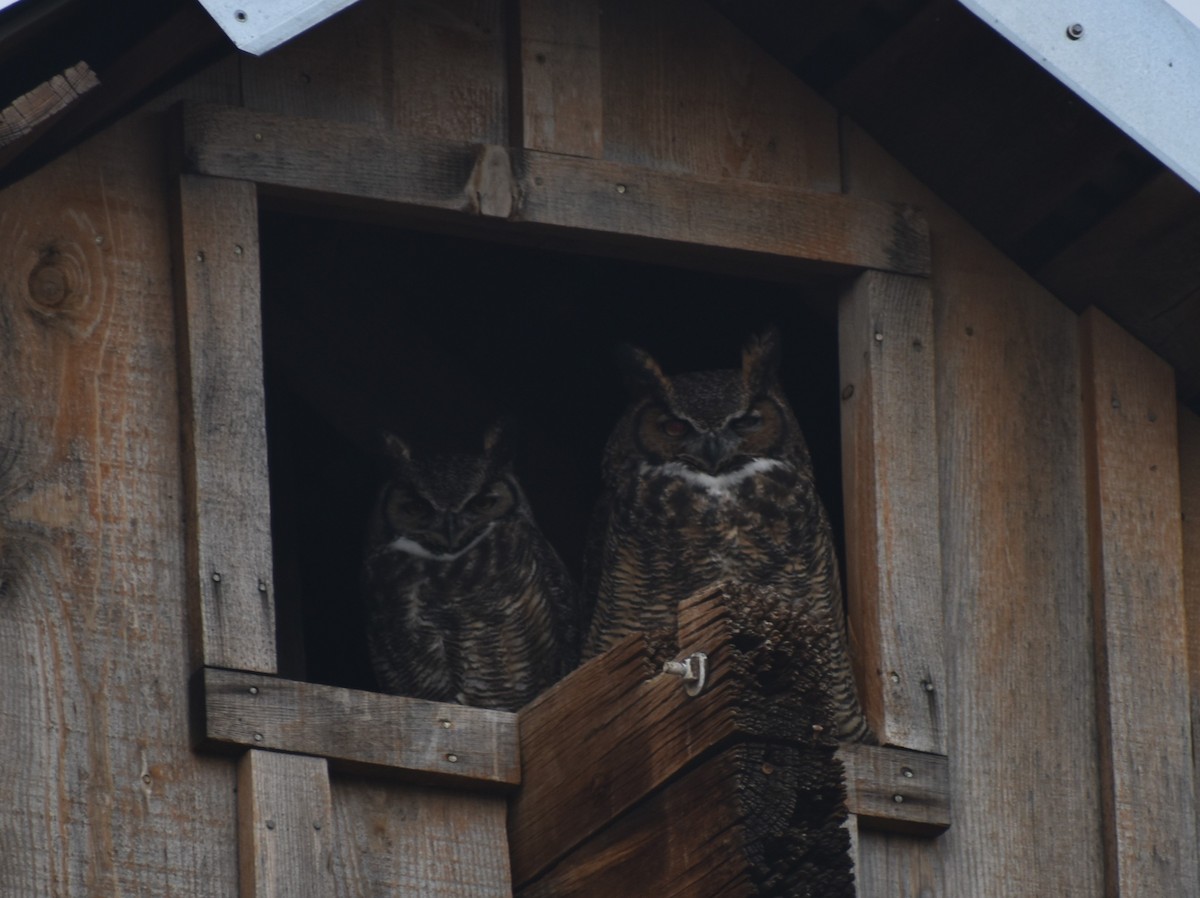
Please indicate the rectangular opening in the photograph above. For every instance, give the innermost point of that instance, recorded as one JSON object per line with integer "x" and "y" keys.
{"x": 369, "y": 327}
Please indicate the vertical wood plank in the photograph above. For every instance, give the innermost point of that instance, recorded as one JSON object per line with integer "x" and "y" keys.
{"x": 101, "y": 792}
{"x": 285, "y": 826}
{"x": 1136, "y": 554}
{"x": 1189, "y": 488}
{"x": 889, "y": 465}
{"x": 686, "y": 91}
{"x": 893, "y": 865}
{"x": 418, "y": 842}
{"x": 556, "y": 92}
{"x": 1020, "y": 707}
{"x": 224, "y": 423}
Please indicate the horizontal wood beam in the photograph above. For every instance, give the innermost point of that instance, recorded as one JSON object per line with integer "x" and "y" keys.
{"x": 600, "y": 206}
{"x": 411, "y": 738}
{"x": 632, "y": 729}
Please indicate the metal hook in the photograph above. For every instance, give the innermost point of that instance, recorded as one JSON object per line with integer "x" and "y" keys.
{"x": 693, "y": 669}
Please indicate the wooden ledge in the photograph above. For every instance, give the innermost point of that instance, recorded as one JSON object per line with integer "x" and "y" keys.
{"x": 615, "y": 733}
{"x": 589, "y": 202}
{"x": 385, "y": 734}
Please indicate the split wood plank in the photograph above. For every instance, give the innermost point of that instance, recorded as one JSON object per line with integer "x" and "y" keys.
{"x": 556, "y": 88}
{"x": 633, "y": 729}
{"x": 1020, "y": 705}
{"x": 224, "y": 423}
{"x": 285, "y": 826}
{"x": 1136, "y": 555}
{"x": 734, "y": 827}
{"x": 604, "y": 204}
{"x": 1189, "y": 487}
{"x": 417, "y": 841}
{"x": 890, "y": 483}
{"x": 101, "y": 795}
{"x": 417, "y": 739}
{"x": 686, "y": 90}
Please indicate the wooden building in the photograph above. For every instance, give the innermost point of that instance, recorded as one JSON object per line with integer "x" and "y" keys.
{"x": 221, "y": 275}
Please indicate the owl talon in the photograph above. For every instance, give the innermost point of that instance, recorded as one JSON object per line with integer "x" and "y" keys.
{"x": 693, "y": 670}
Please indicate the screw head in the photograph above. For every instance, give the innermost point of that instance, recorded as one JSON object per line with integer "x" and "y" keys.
{"x": 1075, "y": 31}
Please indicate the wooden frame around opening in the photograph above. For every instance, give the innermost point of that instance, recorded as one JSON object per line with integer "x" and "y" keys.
{"x": 230, "y": 157}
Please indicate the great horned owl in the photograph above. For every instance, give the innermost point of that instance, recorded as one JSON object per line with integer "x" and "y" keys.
{"x": 708, "y": 480}
{"x": 466, "y": 600}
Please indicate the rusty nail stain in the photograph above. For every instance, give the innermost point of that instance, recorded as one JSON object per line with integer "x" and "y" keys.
{"x": 767, "y": 769}
{"x": 847, "y": 391}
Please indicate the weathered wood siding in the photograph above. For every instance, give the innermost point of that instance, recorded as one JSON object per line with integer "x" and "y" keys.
{"x": 102, "y": 792}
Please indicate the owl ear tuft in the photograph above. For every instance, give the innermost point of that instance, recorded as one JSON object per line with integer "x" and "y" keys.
{"x": 641, "y": 373}
{"x": 499, "y": 442}
{"x": 396, "y": 449}
{"x": 760, "y": 360}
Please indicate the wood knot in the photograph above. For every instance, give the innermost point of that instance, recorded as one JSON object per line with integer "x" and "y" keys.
{"x": 59, "y": 288}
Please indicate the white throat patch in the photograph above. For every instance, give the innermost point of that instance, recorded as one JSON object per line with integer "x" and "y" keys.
{"x": 415, "y": 549}
{"x": 715, "y": 484}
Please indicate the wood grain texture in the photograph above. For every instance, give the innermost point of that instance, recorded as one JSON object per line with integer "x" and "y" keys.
{"x": 601, "y": 203}
{"x": 224, "y": 423}
{"x": 895, "y": 789}
{"x": 407, "y": 840}
{"x": 728, "y": 828}
{"x": 452, "y": 744}
{"x": 101, "y": 795}
{"x": 1020, "y": 671}
{"x": 285, "y": 826}
{"x": 890, "y": 476}
{"x": 1189, "y": 491}
{"x": 685, "y": 91}
{"x": 1136, "y": 556}
{"x": 557, "y": 92}
{"x": 430, "y": 68}
{"x": 896, "y": 865}
{"x": 633, "y": 729}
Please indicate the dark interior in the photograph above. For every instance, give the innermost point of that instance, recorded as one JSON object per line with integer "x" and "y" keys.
{"x": 370, "y": 328}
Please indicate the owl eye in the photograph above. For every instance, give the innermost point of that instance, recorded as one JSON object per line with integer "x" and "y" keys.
{"x": 675, "y": 427}
{"x": 495, "y": 501}
{"x": 748, "y": 423}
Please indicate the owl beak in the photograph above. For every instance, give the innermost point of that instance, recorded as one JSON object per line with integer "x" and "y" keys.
{"x": 712, "y": 452}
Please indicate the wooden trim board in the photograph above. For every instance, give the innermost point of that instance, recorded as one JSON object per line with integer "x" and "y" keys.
{"x": 357, "y": 730}
{"x": 538, "y": 193}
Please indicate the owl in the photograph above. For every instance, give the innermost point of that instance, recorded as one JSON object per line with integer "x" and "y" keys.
{"x": 466, "y": 600}
{"x": 708, "y": 480}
